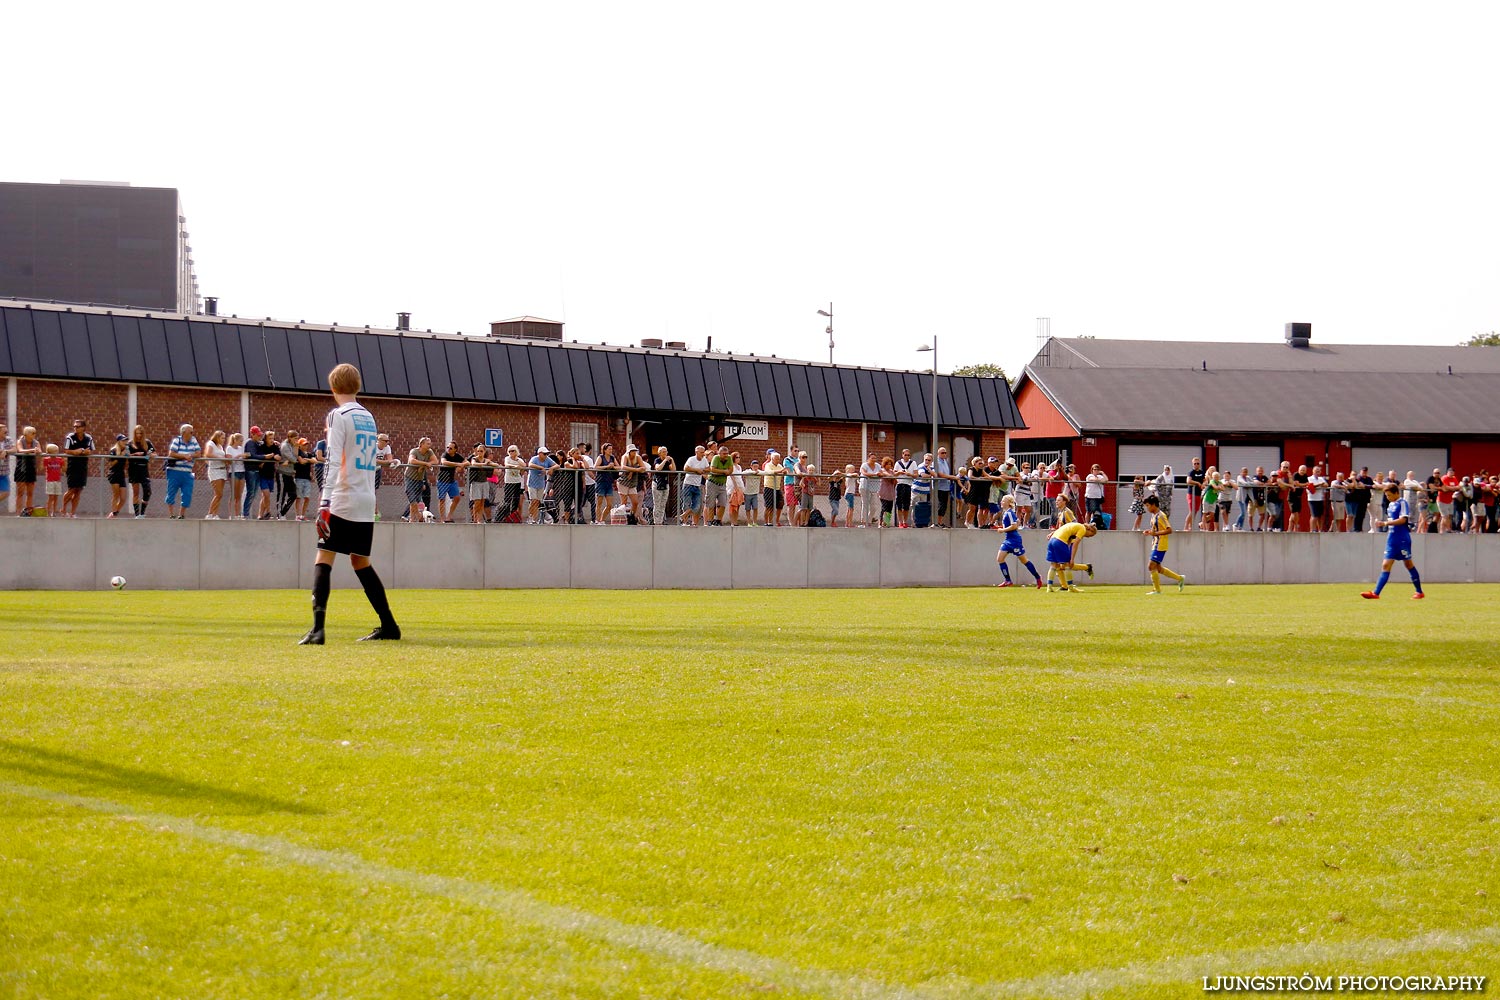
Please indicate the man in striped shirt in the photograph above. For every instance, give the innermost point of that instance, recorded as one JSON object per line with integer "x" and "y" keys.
{"x": 181, "y": 454}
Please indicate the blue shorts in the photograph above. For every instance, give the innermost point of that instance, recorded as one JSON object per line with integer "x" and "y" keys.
{"x": 1157, "y": 555}
{"x": 180, "y": 485}
{"x": 447, "y": 491}
{"x": 692, "y": 498}
{"x": 1398, "y": 548}
{"x": 1059, "y": 551}
{"x": 4, "y": 484}
{"x": 994, "y": 508}
{"x": 1013, "y": 547}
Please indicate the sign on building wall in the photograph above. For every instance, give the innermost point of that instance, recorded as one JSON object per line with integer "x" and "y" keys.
{"x": 755, "y": 430}
{"x": 494, "y": 437}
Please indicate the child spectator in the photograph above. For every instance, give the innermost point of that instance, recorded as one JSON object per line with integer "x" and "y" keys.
{"x": 52, "y": 469}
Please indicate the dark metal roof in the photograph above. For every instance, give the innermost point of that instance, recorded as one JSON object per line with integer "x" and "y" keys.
{"x": 1256, "y": 389}
{"x": 106, "y": 345}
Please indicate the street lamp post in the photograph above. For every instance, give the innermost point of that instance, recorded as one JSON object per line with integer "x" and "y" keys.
{"x": 933, "y": 348}
{"x": 934, "y": 445}
{"x": 829, "y": 314}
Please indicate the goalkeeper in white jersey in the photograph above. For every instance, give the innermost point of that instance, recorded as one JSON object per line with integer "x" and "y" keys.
{"x": 346, "y": 517}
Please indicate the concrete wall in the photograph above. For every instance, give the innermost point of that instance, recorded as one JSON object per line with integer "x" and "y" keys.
{"x": 53, "y": 554}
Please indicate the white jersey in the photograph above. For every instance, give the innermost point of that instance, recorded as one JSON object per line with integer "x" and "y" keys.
{"x": 349, "y": 484}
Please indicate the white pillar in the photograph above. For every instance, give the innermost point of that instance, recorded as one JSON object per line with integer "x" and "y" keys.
{"x": 541, "y": 425}
{"x": 447, "y": 423}
{"x": 245, "y": 413}
{"x": 864, "y": 443}
{"x": 11, "y": 430}
{"x": 130, "y": 408}
{"x": 629, "y": 429}
{"x": 791, "y": 439}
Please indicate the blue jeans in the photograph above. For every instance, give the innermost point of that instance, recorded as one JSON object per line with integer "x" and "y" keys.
{"x": 692, "y": 498}
{"x": 252, "y": 488}
{"x": 1239, "y": 525}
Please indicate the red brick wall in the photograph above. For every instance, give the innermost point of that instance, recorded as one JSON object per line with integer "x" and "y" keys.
{"x": 51, "y": 407}
{"x": 840, "y": 441}
{"x": 517, "y": 423}
{"x": 164, "y": 409}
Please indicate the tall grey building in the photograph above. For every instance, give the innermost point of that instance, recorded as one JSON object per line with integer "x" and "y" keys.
{"x": 108, "y": 244}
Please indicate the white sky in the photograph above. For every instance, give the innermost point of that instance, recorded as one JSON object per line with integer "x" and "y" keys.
{"x": 1182, "y": 171}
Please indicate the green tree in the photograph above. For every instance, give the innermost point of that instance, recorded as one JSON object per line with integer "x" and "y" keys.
{"x": 985, "y": 370}
{"x": 1491, "y": 339}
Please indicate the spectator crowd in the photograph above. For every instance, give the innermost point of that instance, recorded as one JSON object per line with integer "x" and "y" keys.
{"x": 268, "y": 476}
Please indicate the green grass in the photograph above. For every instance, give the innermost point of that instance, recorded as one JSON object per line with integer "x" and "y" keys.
{"x": 954, "y": 793}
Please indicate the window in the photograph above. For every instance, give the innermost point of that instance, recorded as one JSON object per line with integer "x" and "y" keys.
{"x": 813, "y": 445}
{"x": 580, "y": 433}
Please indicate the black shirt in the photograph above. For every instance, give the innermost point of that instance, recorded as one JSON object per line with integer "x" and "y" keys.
{"x": 303, "y": 469}
{"x": 661, "y": 480}
{"x": 445, "y": 472}
{"x": 1195, "y": 479}
{"x": 1258, "y": 491}
{"x": 78, "y": 465}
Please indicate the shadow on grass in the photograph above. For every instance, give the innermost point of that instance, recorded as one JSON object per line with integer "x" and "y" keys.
{"x": 38, "y": 763}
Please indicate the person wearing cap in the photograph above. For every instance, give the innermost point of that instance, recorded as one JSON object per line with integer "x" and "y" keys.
{"x": 420, "y": 459}
{"x": 537, "y": 471}
{"x": 514, "y": 482}
{"x": 633, "y": 479}
{"x": 78, "y": 446}
{"x": 255, "y": 452}
{"x": 114, "y": 474}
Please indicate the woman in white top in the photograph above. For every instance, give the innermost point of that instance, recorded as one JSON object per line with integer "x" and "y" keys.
{"x": 515, "y": 469}
{"x": 235, "y": 452}
{"x": 218, "y": 471}
{"x": 869, "y": 489}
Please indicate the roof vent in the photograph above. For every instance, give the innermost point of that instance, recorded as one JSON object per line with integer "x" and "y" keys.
{"x": 527, "y": 328}
{"x": 651, "y": 342}
{"x": 1299, "y": 335}
{"x": 676, "y": 345}
{"x": 403, "y": 321}
{"x": 211, "y": 306}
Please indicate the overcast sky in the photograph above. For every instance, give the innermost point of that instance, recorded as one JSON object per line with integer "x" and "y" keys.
{"x": 1182, "y": 171}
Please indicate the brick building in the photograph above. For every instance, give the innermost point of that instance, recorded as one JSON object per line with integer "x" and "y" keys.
{"x": 1133, "y": 406}
{"x": 117, "y": 368}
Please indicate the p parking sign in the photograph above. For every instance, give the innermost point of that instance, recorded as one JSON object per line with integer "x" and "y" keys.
{"x": 494, "y": 437}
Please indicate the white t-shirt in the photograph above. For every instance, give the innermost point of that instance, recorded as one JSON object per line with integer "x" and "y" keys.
{"x": 906, "y": 467}
{"x": 587, "y": 463}
{"x": 515, "y": 468}
{"x": 217, "y": 467}
{"x": 349, "y": 483}
{"x": 1094, "y": 486}
{"x": 695, "y": 468}
{"x": 235, "y": 453}
{"x": 1315, "y": 486}
{"x": 871, "y": 473}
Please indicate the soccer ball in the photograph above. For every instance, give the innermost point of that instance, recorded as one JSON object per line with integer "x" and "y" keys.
{"x": 117, "y": 582}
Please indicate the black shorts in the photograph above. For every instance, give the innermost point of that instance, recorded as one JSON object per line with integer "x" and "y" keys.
{"x": 77, "y": 480}
{"x": 775, "y": 499}
{"x": 903, "y": 497}
{"x": 349, "y": 537}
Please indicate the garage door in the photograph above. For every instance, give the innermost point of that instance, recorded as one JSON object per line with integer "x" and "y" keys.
{"x": 1147, "y": 460}
{"x": 1234, "y": 457}
{"x": 1419, "y": 460}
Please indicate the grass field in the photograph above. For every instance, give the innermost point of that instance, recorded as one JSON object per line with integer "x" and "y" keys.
{"x": 960, "y": 793}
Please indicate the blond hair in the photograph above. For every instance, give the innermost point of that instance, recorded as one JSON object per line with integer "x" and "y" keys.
{"x": 344, "y": 380}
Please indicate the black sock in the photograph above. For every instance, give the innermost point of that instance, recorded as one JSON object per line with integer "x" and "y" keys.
{"x": 375, "y": 591}
{"x": 322, "y": 584}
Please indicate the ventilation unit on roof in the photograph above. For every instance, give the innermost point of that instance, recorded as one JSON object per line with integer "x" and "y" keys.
{"x": 1299, "y": 334}
{"x": 210, "y": 306}
{"x": 527, "y": 328}
{"x": 651, "y": 342}
{"x": 676, "y": 345}
{"x": 403, "y": 321}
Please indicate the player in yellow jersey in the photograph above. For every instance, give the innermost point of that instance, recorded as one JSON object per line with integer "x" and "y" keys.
{"x": 1158, "y": 528}
{"x": 1062, "y": 551}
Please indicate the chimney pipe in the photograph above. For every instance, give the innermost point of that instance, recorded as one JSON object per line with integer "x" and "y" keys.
{"x": 403, "y": 321}
{"x": 211, "y": 306}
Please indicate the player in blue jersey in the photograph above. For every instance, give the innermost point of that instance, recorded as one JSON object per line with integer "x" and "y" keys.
{"x": 1013, "y": 545}
{"x": 1397, "y": 525}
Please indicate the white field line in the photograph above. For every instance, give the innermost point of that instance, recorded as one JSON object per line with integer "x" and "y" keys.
{"x": 510, "y": 904}
{"x": 521, "y": 907}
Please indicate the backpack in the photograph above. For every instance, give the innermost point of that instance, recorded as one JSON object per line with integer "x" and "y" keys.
{"x": 815, "y": 519}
